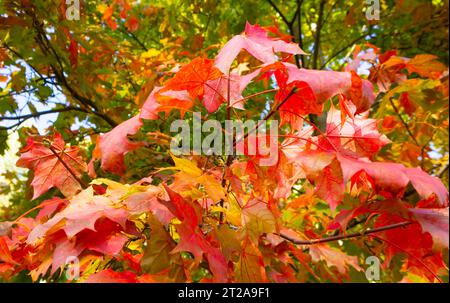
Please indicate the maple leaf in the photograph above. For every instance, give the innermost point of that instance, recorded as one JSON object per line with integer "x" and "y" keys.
{"x": 165, "y": 101}
{"x": 112, "y": 146}
{"x": 5, "y": 254}
{"x": 192, "y": 238}
{"x": 148, "y": 200}
{"x": 394, "y": 177}
{"x": 256, "y": 41}
{"x": 299, "y": 104}
{"x": 411, "y": 241}
{"x": 216, "y": 91}
{"x": 327, "y": 84}
{"x": 358, "y": 134}
{"x": 81, "y": 213}
{"x": 434, "y": 221}
{"x": 250, "y": 266}
{"x": 190, "y": 175}
{"x": 193, "y": 76}
{"x": 169, "y": 100}
{"x": 150, "y": 108}
{"x": 157, "y": 253}
{"x": 389, "y": 70}
{"x": 257, "y": 219}
{"x": 426, "y": 66}
{"x": 107, "y": 239}
{"x": 334, "y": 257}
{"x": 49, "y": 169}
{"x": 330, "y": 185}
{"x": 426, "y": 185}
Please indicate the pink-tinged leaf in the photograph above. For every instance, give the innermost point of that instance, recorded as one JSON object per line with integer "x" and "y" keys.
{"x": 64, "y": 250}
{"x": 82, "y": 212}
{"x": 388, "y": 176}
{"x": 435, "y": 221}
{"x": 175, "y": 99}
{"x": 49, "y": 207}
{"x": 327, "y": 84}
{"x": 256, "y": 41}
{"x": 216, "y": 91}
{"x": 150, "y": 108}
{"x": 359, "y": 134}
{"x": 313, "y": 162}
{"x": 426, "y": 185}
{"x": 330, "y": 186}
{"x": 107, "y": 239}
{"x": 112, "y": 146}
{"x": 395, "y": 177}
{"x": 141, "y": 202}
{"x": 49, "y": 171}
{"x": 165, "y": 101}
{"x": 334, "y": 258}
{"x": 295, "y": 144}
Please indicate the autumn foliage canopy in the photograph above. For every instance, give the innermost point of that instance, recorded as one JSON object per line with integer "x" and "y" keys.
{"x": 334, "y": 197}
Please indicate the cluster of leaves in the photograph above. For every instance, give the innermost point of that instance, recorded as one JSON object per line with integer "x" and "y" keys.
{"x": 230, "y": 219}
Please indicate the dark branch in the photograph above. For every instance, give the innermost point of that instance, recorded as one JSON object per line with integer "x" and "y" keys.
{"x": 46, "y": 112}
{"x": 343, "y": 49}
{"x": 343, "y": 237}
{"x": 300, "y": 39}
{"x": 404, "y": 122}
{"x": 317, "y": 38}
{"x": 442, "y": 171}
{"x": 285, "y": 20}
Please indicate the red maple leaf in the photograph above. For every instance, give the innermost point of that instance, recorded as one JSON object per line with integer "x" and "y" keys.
{"x": 54, "y": 165}
{"x": 112, "y": 146}
{"x": 193, "y": 77}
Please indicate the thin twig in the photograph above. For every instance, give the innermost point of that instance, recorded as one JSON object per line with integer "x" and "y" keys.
{"x": 46, "y": 112}
{"x": 442, "y": 171}
{"x": 404, "y": 122}
{"x": 279, "y": 12}
{"x": 317, "y": 37}
{"x": 343, "y": 237}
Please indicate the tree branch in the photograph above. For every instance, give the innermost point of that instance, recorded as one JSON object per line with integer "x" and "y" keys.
{"x": 300, "y": 39}
{"x": 343, "y": 237}
{"x": 317, "y": 38}
{"x": 442, "y": 171}
{"x": 404, "y": 122}
{"x": 47, "y": 49}
{"x": 343, "y": 49}
{"x": 285, "y": 20}
{"x": 46, "y": 112}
